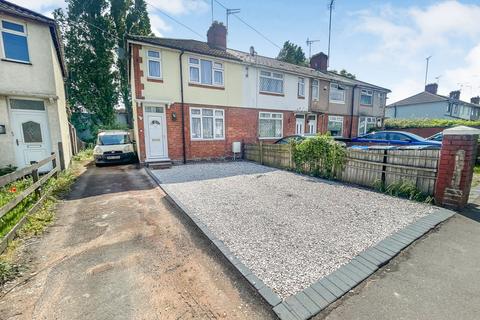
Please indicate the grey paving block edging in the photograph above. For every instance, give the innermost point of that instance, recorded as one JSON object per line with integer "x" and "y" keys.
{"x": 310, "y": 301}
{"x": 267, "y": 294}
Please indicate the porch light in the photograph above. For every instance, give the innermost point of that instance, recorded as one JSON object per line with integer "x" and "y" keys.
{"x": 174, "y": 116}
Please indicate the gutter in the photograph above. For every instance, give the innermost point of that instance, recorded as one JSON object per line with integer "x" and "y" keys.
{"x": 353, "y": 106}
{"x": 184, "y": 148}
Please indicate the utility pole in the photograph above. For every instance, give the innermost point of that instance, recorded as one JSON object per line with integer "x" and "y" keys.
{"x": 330, "y": 7}
{"x": 426, "y": 69}
{"x": 229, "y": 12}
{"x": 211, "y": 5}
{"x": 309, "y": 44}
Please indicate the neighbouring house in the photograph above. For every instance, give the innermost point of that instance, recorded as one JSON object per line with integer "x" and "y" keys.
{"x": 193, "y": 99}
{"x": 429, "y": 104}
{"x": 33, "y": 112}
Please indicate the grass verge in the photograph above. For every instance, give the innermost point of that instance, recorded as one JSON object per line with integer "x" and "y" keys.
{"x": 56, "y": 188}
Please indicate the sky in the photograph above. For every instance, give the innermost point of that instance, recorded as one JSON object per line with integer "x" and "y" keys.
{"x": 381, "y": 42}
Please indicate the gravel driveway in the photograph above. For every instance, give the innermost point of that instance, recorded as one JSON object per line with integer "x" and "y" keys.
{"x": 289, "y": 229}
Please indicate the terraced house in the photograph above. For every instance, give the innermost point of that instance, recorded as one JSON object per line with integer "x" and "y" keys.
{"x": 193, "y": 99}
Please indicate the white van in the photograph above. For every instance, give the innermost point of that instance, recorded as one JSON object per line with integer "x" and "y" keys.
{"x": 114, "y": 146}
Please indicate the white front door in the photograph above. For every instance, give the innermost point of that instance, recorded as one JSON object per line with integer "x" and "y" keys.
{"x": 31, "y": 137}
{"x": 156, "y": 138}
{"x": 300, "y": 124}
{"x": 312, "y": 123}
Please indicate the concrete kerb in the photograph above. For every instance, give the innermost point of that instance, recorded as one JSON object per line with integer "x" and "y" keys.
{"x": 265, "y": 292}
{"x": 312, "y": 300}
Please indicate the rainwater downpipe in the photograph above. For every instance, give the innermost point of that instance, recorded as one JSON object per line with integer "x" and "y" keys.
{"x": 353, "y": 107}
{"x": 183, "y": 109}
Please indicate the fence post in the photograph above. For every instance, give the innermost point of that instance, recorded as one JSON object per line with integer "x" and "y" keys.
{"x": 35, "y": 179}
{"x": 54, "y": 164}
{"x": 455, "y": 168}
{"x": 61, "y": 156}
{"x": 260, "y": 150}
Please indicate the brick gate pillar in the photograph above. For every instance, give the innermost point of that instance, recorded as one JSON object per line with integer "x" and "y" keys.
{"x": 455, "y": 168}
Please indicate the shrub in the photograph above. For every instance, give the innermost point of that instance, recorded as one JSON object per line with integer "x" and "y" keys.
{"x": 320, "y": 156}
{"x": 428, "y": 123}
{"x": 403, "y": 189}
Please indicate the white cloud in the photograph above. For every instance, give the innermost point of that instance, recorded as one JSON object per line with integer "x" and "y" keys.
{"x": 467, "y": 77}
{"x": 44, "y": 7}
{"x": 178, "y": 6}
{"x": 158, "y": 25}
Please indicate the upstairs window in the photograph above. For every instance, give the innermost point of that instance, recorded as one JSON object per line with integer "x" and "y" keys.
{"x": 14, "y": 40}
{"x": 315, "y": 90}
{"x": 206, "y": 72}
{"x": 154, "y": 64}
{"x": 271, "y": 82}
{"x": 366, "y": 97}
{"x": 337, "y": 93}
{"x": 301, "y": 87}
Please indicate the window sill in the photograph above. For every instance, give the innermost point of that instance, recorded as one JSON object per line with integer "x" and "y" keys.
{"x": 272, "y": 94}
{"x": 271, "y": 138}
{"x": 16, "y": 61}
{"x": 366, "y": 105}
{"x": 155, "y": 80}
{"x": 205, "y": 86}
{"x": 300, "y": 97}
{"x": 337, "y": 102}
{"x": 211, "y": 140}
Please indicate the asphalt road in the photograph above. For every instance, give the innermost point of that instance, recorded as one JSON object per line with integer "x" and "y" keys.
{"x": 437, "y": 278}
{"x": 118, "y": 250}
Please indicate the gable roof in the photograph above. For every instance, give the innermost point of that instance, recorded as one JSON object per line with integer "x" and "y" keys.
{"x": 201, "y": 47}
{"x": 12, "y": 9}
{"x": 419, "y": 98}
{"x": 189, "y": 45}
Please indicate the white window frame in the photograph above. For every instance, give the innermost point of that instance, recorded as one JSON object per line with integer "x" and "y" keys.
{"x": 367, "y": 120}
{"x": 201, "y": 116}
{"x": 336, "y": 86}
{"x": 301, "y": 87}
{"x": 18, "y": 33}
{"x": 368, "y": 93}
{"x": 316, "y": 84}
{"x": 279, "y": 77}
{"x": 217, "y": 66}
{"x": 337, "y": 119}
{"x": 159, "y": 60}
{"x": 263, "y": 116}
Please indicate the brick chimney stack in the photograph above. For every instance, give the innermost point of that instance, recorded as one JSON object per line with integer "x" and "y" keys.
{"x": 432, "y": 88}
{"x": 455, "y": 95}
{"x": 217, "y": 36}
{"x": 319, "y": 61}
{"x": 475, "y": 100}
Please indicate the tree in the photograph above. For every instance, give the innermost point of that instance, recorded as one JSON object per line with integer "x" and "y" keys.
{"x": 292, "y": 53}
{"x": 345, "y": 73}
{"x": 90, "y": 38}
{"x": 129, "y": 17}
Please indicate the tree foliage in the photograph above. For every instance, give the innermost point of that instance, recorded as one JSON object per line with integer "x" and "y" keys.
{"x": 292, "y": 53}
{"x": 89, "y": 35}
{"x": 345, "y": 73}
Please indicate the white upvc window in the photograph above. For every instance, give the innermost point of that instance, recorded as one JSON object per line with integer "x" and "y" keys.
{"x": 207, "y": 72}
{"x": 315, "y": 90}
{"x": 14, "y": 41}
{"x": 271, "y": 82}
{"x": 154, "y": 64}
{"x": 365, "y": 124}
{"x": 270, "y": 125}
{"x": 207, "y": 124}
{"x": 337, "y": 93}
{"x": 335, "y": 126}
{"x": 301, "y": 87}
{"x": 366, "y": 97}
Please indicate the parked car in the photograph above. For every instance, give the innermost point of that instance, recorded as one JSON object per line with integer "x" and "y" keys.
{"x": 299, "y": 138}
{"x": 397, "y": 138}
{"x": 114, "y": 146}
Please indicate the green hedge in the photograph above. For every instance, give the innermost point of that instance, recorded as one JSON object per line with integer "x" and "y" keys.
{"x": 427, "y": 123}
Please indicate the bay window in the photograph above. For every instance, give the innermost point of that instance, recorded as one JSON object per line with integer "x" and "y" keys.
{"x": 366, "y": 97}
{"x": 154, "y": 65}
{"x": 315, "y": 90}
{"x": 337, "y": 93}
{"x": 206, "y": 72}
{"x": 271, "y": 82}
{"x": 14, "y": 41}
{"x": 207, "y": 124}
{"x": 270, "y": 125}
{"x": 335, "y": 126}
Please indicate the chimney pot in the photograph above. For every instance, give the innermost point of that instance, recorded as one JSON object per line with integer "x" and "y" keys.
{"x": 475, "y": 100}
{"x": 319, "y": 62}
{"x": 432, "y": 88}
{"x": 217, "y": 36}
{"x": 455, "y": 95}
